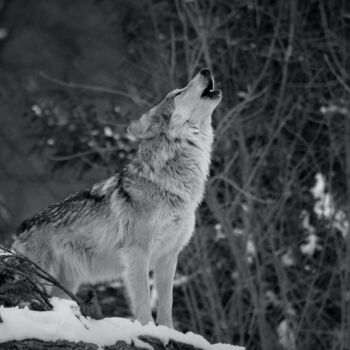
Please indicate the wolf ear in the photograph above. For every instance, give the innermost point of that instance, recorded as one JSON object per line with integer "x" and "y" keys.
{"x": 141, "y": 128}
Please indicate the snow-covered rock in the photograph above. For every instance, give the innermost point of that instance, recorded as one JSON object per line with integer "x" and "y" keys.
{"x": 65, "y": 323}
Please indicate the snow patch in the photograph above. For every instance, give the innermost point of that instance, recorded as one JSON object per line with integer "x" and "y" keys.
{"x": 65, "y": 322}
{"x": 310, "y": 246}
{"x": 325, "y": 207}
{"x": 180, "y": 280}
{"x": 108, "y": 131}
{"x": 4, "y": 252}
{"x": 219, "y": 233}
{"x": 332, "y": 109}
{"x": 250, "y": 251}
{"x": 288, "y": 258}
{"x": 286, "y": 336}
{"x": 238, "y": 231}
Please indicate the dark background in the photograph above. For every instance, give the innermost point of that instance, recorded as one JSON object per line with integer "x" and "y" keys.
{"x": 268, "y": 266}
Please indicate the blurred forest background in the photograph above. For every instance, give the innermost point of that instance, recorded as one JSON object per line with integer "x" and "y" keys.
{"x": 269, "y": 264}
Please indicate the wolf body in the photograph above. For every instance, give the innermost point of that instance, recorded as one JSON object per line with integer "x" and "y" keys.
{"x": 140, "y": 219}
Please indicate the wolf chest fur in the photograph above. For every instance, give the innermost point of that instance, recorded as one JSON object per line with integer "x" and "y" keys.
{"x": 139, "y": 219}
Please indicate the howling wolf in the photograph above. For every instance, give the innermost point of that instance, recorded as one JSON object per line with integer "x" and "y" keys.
{"x": 139, "y": 219}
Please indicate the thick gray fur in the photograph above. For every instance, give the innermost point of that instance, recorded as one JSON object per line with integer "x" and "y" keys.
{"x": 140, "y": 219}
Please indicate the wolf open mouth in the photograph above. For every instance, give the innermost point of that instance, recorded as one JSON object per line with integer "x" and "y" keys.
{"x": 208, "y": 91}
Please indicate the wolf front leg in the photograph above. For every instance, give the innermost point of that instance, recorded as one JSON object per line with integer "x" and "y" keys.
{"x": 137, "y": 283}
{"x": 164, "y": 278}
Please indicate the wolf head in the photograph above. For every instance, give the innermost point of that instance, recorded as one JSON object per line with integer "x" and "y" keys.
{"x": 182, "y": 111}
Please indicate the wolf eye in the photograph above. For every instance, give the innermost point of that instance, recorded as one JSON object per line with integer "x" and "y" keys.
{"x": 178, "y": 93}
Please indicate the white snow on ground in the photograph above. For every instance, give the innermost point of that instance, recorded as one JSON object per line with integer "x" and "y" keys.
{"x": 65, "y": 322}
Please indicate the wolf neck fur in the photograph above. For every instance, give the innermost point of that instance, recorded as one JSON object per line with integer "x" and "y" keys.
{"x": 178, "y": 166}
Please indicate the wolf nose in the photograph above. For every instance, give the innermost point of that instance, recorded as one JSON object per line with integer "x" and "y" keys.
{"x": 205, "y": 72}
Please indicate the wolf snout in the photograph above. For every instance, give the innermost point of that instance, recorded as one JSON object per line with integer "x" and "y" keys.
{"x": 202, "y": 86}
{"x": 208, "y": 91}
{"x": 208, "y": 79}
{"x": 205, "y": 72}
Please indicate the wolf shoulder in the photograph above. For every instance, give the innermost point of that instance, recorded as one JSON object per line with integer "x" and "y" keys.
{"x": 88, "y": 203}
